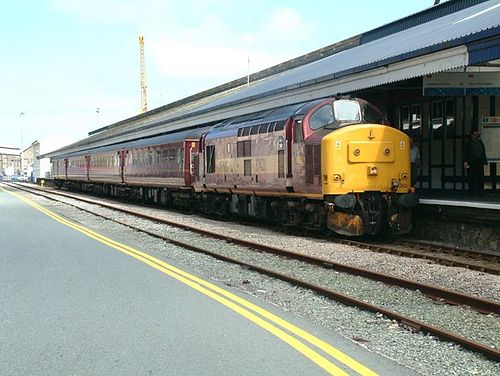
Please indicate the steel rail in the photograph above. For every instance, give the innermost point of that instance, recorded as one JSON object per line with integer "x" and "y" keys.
{"x": 482, "y": 305}
{"x": 329, "y": 293}
{"x": 414, "y": 254}
{"x": 372, "y": 247}
{"x": 434, "y": 247}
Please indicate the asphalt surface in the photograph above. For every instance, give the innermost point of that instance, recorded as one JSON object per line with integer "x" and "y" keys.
{"x": 71, "y": 305}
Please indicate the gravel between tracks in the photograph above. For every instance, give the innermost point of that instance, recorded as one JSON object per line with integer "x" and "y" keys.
{"x": 420, "y": 352}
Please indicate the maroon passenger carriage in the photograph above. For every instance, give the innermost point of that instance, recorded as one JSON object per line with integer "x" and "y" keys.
{"x": 157, "y": 169}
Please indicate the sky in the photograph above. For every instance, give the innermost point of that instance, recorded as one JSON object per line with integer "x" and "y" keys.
{"x": 72, "y": 66}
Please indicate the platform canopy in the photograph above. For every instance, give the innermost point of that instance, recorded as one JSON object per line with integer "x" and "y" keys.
{"x": 454, "y": 35}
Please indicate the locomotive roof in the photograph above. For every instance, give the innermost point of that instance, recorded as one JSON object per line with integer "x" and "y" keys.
{"x": 230, "y": 127}
{"x": 190, "y": 134}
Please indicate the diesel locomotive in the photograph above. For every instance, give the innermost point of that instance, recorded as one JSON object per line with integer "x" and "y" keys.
{"x": 324, "y": 164}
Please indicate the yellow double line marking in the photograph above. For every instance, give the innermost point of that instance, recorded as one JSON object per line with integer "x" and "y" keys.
{"x": 233, "y": 302}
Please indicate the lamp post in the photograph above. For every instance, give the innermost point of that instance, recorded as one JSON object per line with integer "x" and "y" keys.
{"x": 21, "y": 115}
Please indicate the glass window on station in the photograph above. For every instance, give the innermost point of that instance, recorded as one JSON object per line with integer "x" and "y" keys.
{"x": 405, "y": 119}
{"x": 437, "y": 119}
{"x": 415, "y": 121}
{"x": 432, "y": 124}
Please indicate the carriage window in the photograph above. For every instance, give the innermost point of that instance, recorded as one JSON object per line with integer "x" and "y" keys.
{"x": 321, "y": 117}
{"x": 299, "y": 137}
{"x": 254, "y": 129}
{"x": 246, "y": 131}
{"x": 180, "y": 153}
{"x": 244, "y": 148}
{"x": 210, "y": 159}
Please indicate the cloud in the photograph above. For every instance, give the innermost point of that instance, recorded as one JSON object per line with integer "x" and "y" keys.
{"x": 287, "y": 24}
{"x": 196, "y": 38}
{"x": 113, "y": 11}
{"x": 197, "y": 59}
{"x": 215, "y": 48}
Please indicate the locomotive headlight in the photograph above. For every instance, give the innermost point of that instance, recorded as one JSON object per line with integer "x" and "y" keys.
{"x": 387, "y": 151}
{"x": 356, "y": 152}
{"x": 404, "y": 176}
{"x": 394, "y": 183}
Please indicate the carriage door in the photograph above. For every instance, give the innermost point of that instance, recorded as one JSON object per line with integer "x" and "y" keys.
{"x": 66, "y": 168}
{"x": 121, "y": 159}
{"x": 87, "y": 166}
{"x": 202, "y": 170}
{"x": 295, "y": 157}
{"x": 188, "y": 162}
{"x": 294, "y": 137}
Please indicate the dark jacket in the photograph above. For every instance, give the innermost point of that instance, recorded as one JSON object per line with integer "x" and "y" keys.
{"x": 474, "y": 152}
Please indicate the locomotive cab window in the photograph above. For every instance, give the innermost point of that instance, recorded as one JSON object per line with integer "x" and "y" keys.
{"x": 322, "y": 117}
{"x": 346, "y": 111}
{"x": 371, "y": 114}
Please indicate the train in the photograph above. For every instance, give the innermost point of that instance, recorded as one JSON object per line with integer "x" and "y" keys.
{"x": 331, "y": 164}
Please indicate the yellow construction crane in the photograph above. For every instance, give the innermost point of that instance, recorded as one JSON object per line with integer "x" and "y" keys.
{"x": 144, "y": 86}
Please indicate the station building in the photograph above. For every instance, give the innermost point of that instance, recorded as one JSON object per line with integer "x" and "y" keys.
{"x": 10, "y": 161}
{"x": 436, "y": 75}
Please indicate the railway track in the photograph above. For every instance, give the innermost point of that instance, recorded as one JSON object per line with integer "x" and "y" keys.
{"x": 444, "y": 295}
{"x": 439, "y": 254}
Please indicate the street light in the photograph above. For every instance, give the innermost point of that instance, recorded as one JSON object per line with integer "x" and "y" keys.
{"x": 21, "y": 115}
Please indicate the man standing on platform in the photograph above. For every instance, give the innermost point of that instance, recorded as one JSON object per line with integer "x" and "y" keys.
{"x": 415, "y": 162}
{"x": 474, "y": 161}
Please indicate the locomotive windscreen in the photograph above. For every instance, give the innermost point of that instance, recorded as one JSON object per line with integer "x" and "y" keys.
{"x": 347, "y": 111}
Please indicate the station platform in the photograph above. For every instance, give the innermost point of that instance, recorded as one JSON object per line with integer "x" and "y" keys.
{"x": 459, "y": 220}
{"x": 486, "y": 201}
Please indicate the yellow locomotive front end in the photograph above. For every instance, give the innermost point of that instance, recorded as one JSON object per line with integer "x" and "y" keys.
{"x": 366, "y": 180}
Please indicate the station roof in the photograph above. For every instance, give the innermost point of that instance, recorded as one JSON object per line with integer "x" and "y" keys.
{"x": 448, "y": 36}
{"x": 9, "y": 150}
